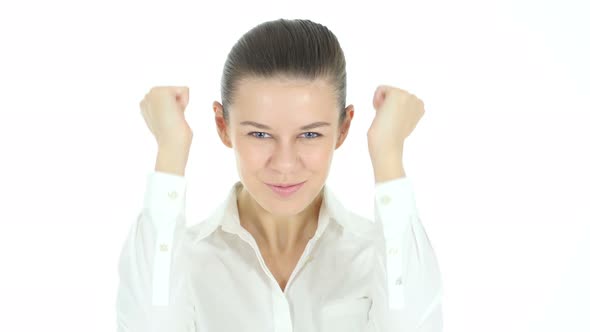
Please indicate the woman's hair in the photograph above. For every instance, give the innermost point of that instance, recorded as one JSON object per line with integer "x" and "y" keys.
{"x": 288, "y": 48}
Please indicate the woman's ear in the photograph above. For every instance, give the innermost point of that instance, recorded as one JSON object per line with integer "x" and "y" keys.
{"x": 343, "y": 130}
{"x": 221, "y": 124}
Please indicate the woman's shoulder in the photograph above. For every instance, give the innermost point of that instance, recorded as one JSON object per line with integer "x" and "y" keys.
{"x": 199, "y": 230}
{"x": 358, "y": 225}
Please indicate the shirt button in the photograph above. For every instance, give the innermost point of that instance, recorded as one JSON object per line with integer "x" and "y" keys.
{"x": 385, "y": 199}
{"x": 163, "y": 247}
{"x": 392, "y": 251}
{"x": 172, "y": 194}
{"x": 398, "y": 281}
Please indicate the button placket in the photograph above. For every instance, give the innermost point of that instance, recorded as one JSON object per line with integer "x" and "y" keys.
{"x": 282, "y": 317}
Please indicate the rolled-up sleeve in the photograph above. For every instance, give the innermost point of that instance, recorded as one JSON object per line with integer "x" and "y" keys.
{"x": 146, "y": 258}
{"x": 407, "y": 286}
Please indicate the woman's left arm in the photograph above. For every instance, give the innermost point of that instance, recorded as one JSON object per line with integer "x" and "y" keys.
{"x": 407, "y": 287}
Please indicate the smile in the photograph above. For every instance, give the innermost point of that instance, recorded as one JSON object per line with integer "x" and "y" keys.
{"x": 285, "y": 191}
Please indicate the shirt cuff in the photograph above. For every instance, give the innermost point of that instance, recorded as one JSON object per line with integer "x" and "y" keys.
{"x": 165, "y": 198}
{"x": 394, "y": 209}
{"x": 395, "y": 204}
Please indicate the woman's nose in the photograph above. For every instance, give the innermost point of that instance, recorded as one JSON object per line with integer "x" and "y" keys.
{"x": 284, "y": 157}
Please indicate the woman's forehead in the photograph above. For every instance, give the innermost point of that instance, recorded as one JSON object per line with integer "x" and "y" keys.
{"x": 285, "y": 97}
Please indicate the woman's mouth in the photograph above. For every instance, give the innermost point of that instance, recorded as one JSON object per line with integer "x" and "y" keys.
{"x": 285, "y": 190}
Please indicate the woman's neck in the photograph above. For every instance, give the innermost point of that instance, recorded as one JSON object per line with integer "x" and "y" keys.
{"x": 280, "y": 235}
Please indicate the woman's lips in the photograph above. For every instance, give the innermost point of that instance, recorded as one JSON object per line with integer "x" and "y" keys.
{"x": 285, "y": 191}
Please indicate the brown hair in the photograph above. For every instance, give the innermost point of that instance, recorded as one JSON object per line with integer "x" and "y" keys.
{"x": 293, "y": 48}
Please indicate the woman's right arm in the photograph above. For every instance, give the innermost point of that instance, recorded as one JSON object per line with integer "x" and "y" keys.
{"x": 151, "y": 284}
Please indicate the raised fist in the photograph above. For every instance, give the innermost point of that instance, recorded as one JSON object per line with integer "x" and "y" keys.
{"x": 163, "y": 111}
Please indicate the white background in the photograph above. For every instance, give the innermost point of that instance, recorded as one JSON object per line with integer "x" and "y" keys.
{"x": 499, "y": 161}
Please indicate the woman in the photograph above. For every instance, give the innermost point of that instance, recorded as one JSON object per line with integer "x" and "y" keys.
{"x": 280, "y": 253}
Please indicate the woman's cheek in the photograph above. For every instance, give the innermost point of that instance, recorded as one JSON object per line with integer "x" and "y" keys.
{"x": 318, "y": 156}
{"x": 253, "y": 153}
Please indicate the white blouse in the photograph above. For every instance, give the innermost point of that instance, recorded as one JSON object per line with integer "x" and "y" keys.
{"x": 355, "y": 274}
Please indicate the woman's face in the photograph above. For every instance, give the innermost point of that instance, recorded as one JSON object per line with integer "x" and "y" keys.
{"x": 283, "y": 131}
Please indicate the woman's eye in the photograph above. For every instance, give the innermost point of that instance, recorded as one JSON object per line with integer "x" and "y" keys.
{"x": 260, "y": 134}
{"x": 313, "y": 135}
{"x": 257, "y": 134}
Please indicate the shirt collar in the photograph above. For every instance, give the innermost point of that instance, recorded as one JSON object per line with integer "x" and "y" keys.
{"x": 226, "y": 214}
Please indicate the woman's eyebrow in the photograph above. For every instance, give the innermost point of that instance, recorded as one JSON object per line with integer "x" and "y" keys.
{"x": 306, "y": 127}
